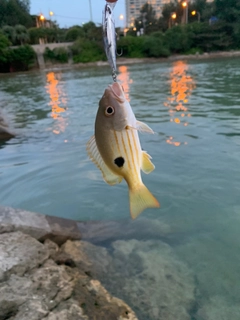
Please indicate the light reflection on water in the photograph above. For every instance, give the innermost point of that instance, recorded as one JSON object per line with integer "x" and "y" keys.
{"x": 182, "y": 85}
{"x": 57, "y": 97}
{"x": 194, "y": 106}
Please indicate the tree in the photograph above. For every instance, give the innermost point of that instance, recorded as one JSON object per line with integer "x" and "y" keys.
{"x": 15, "y": 12}
{"x": 74, "y": 32}
{"x": 22, "y": 36}
{"x": 147, "y": 19}
{"x": 10, "y": 33}
{"x": 228, "y": 10}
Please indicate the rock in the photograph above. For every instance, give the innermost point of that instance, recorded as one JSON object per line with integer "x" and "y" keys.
{"x": 5, "y": 132}
{"x": 101, "y": 231}
{"x": 145, "y": 274}
{"x": 39, "y": 226}
{"x": 33, "y": 287}
{"x": 217, "y": 308}
{"x": 19, "y": 253}
{"x": 73, "y": 313}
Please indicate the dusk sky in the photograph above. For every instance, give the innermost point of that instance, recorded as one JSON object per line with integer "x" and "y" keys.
{"x": 72, "y": 12}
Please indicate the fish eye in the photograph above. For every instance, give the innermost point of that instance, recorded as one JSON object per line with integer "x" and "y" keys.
{"x": 109, "y": 111}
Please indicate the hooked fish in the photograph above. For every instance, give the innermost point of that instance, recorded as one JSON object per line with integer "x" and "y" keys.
{"x": 115, "y": 148}
{"x": 109, "y": 37}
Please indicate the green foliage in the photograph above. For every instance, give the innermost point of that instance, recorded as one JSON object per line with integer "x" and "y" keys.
{"x": 4, "y": 42}
{"x": 19, "y": 59}
{"x": 228, "y": 10}
{"x": 10, "y": 33}
{"x": 74, "y": 33}
{"x": 48, "y": 34}
{"x": 155, "y": 46}
{"x": 84, "y": 50}
{"x": 22, "y": 36}
{"x": 178, "y": 39}
{"x": 15, "y": 12}
{"x": 22, "y": 57}
{"x": 131, "y": 47}
{"x": 56, "y": 55}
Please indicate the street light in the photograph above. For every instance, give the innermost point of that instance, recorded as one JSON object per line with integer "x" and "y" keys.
{"x": 121, "y": 18}
{"x": 194, "y": 12}
{"x": 172, "y": 17}
{"x": 90, "y": 8}
{"x": 42, "y": 18}
{"x": 185, "y": 6}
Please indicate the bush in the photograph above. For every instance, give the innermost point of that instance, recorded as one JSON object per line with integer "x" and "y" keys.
{"x": 131, "y": 46}
{"x": 56, "y": 55}
{"x": 84, "y": 50}
{"x": 74, "y": 33}
{"x": 179, "y": 40}
{"x": 4, "y": 42}
{"x": 155, "y": 46}
{"x": 21, "y": 58}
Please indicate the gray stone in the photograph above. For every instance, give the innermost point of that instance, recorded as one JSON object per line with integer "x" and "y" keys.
{"x": 39, "y": 226}
{"x": 73, "y": 313}
{"x": 34, "y": 287}
{"x": 19, "y": 253}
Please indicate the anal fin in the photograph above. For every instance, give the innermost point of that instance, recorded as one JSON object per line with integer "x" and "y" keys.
{"x": 93, "y": 153}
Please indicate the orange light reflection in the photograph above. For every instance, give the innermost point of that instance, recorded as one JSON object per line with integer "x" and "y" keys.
{"x": 182, "y": 85}
{"x": 124, "y": 78}
{"x": 57, "y": 97}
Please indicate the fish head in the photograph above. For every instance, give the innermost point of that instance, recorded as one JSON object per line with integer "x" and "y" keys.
{"x": 114, "y": 112}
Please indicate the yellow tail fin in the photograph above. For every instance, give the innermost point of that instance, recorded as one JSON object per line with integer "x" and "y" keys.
{"x": 141, "y": 199}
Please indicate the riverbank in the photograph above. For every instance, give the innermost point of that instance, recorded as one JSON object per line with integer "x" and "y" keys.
{"x": 129, "y": 61}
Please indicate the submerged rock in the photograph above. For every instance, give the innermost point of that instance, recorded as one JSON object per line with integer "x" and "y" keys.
{"x": 5, "y": 132}
{"x": 145, "y": 274}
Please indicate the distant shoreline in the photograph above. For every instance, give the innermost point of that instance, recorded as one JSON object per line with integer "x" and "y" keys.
{"x": 129, "y": 61}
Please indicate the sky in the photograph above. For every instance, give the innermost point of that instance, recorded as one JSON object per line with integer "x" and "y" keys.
{"x": 71, "y": 12}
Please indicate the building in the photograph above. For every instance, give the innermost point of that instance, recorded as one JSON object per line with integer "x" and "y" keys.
{"x": 133, "y": 9}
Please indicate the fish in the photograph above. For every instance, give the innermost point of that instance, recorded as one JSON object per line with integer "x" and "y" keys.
{"x": 109, "y": 37}
{"x": 116, "y": 150}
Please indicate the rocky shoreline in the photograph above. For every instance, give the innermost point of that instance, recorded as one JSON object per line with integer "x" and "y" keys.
{"x": 58, "y": 269}
{"x": 47, "y": 272}
{"x": 39, "y": 279}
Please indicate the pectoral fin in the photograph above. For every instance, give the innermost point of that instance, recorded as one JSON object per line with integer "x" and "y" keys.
{"x": 108, "y": 176}
{"x": 143, "y": 127}
{"x": 147, "y": 165}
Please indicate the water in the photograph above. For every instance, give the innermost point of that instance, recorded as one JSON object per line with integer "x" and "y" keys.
{"x": 193, "y": 107}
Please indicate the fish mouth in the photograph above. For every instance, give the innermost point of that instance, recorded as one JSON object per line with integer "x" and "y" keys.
{"x": 117, "y": 91}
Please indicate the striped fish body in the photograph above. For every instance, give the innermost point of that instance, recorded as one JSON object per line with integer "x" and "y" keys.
{"x": 121, "y": 151}
{"x": 115, "y": 148}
